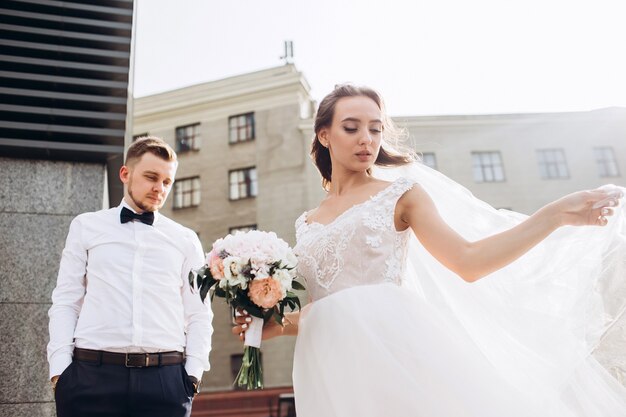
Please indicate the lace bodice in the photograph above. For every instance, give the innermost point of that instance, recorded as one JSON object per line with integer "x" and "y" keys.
{"x": 360, "y": 247}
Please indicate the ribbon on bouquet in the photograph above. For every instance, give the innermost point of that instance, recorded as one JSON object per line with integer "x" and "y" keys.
{"x": 254, "y": 332}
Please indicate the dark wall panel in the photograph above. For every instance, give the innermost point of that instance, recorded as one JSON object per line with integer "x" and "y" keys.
{"x": 64, "y": 74}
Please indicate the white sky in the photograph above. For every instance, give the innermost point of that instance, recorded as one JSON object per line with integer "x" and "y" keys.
{"x": 426, "y": 57}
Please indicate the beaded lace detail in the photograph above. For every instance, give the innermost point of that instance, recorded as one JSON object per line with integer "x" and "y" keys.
{"x": 360, "y": 247}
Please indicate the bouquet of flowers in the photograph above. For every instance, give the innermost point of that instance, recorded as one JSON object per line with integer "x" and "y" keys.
{"x": 252, "y": 271}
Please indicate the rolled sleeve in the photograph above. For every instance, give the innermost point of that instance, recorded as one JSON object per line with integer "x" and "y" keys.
{"x": 198, "y": 315}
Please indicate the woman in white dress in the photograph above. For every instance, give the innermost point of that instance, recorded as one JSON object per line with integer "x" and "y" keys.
{"x": 428, "y": 302}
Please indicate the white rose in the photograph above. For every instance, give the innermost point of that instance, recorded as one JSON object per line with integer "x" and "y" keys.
{"x": 260, "y": 268}
{"x": 284, "y": 277}
{"x": 291, "y": 259}
{"x": 232, "y": 272}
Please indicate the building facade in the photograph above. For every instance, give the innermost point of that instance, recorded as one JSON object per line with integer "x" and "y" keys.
{"x": 243, "y": 146}
{"x": 242, "y": 143}
{"x": 523, "y": 161}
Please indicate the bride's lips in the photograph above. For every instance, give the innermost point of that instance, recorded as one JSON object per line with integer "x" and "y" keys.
{"x": 363, "y": 156}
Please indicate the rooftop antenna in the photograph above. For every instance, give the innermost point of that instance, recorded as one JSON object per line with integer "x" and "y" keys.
{"x": 288, "y": 56}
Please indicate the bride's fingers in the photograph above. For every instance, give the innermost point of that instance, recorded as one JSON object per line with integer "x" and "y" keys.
{"x": 599, "y": 216}
{"x": 240, "y": 328}
{"x": 605, "y": 211}
{"x": 240, "y": 331}
{"x": 604, "y": 198}
{"x": 242, "y": 320}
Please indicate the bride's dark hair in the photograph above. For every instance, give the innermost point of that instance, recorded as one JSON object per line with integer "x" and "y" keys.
{"x": 392, "y": 151}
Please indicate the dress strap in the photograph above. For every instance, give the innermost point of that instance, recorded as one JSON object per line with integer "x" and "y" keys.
{"x": 401, "y": 186}
{"x": 379, "y": 217}
{"x": 300, "y": 223}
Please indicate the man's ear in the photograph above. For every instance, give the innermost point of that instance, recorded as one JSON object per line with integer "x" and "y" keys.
{"x": 124, "y": 174}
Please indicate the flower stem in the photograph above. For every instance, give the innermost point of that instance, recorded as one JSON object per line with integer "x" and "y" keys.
{"x": 251, "y": 372}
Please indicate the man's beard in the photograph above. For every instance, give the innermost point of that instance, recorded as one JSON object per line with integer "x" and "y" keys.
{"x": 138, "y": 203}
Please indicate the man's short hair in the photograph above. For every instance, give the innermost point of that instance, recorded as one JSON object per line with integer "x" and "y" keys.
{"x": 151, "y": 144}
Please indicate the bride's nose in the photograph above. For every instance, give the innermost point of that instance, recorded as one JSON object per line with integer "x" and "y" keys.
{"x": 365, "y": 138}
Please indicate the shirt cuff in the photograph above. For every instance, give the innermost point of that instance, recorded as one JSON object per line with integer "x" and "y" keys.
{"x": 59, "y": 363}
{"x": 194, "y": 367}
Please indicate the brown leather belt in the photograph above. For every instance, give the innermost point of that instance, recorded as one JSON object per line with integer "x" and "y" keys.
{"x": 130, "y": 360}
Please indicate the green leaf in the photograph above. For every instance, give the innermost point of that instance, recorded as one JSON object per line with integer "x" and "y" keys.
{"x": 297, "y": 286}
{"x": 278, "y": 318}
{"x": 251, "y": 308}
{"x": 210, "y": 281}
{"x": 203, "y": 292}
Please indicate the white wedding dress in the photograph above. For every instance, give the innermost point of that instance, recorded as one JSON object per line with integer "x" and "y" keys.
{"x": 391, "y": 332}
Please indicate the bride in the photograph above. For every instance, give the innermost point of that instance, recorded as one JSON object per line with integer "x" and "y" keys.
{"x": 428, "y": 302}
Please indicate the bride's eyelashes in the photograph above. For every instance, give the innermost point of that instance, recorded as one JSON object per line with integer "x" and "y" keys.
{"x": 354, "y": 130}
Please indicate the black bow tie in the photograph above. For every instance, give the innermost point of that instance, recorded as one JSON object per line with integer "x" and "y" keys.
{"x": 127, "y": 215}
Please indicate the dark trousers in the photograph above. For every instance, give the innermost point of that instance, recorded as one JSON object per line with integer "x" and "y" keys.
{"x": 88, "y": 389}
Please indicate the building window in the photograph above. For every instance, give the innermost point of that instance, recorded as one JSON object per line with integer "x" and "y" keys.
{"x": 429, "y": 159}
{"x": 187, "y": 192}
{"x": 607, "y": 164}
{"x": 188, "y": 138}
{"x": 552, "y": 163}
{"x": 241, "y": 128}
{"x": 243, "y": 183}
{"x": 487, "y": 166}
{"x": 141, "y": 135}
{"x": 245, "y": 228}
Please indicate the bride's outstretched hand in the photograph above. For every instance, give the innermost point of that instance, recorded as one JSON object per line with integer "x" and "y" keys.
{"x": 588, "y": 208}
{"x": 271, "y": 328}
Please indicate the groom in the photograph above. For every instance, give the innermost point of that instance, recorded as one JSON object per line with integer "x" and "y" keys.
{"x": 127, "y": 336}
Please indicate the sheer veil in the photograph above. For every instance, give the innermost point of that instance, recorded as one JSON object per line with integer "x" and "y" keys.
{"x": 538, "y": 320}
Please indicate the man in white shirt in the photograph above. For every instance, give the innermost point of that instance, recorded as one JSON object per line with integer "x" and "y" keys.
{"x": 127, "y": 335}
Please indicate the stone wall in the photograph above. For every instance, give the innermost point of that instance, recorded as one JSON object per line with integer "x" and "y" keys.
{"x": 38, "y": 200}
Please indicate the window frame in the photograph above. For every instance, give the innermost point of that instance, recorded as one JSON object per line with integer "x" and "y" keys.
{"x": 434, "y": 159}
{"x": 252, "y": 189}
{"x": 546, "y": 168}
{"x": 602, "y": 163}
{"x": 180, "y": 183}
{"x": 233, "y": 125}
{"x": 140, "y": 135}
{"x": 248, "y": 228}
{"x": 194, "y": 138}
{"x": 495, "y": 169}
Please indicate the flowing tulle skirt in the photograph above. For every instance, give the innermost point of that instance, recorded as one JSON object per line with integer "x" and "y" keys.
{"x": 382, "y": 350}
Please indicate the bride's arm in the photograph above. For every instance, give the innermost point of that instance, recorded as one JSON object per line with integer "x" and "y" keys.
{"x": 271, "y": 329}
{"x": 473, "y": 260}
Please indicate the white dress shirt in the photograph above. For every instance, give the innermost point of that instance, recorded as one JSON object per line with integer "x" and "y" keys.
{"x": 125, "y": 288}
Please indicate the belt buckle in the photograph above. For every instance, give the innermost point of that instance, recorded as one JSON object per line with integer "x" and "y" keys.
{"x": 141, "y": 365}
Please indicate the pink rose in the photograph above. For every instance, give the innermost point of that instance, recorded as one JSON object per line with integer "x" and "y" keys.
{"x": 216, "y": 266}
{"x": 265, "y": 292}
